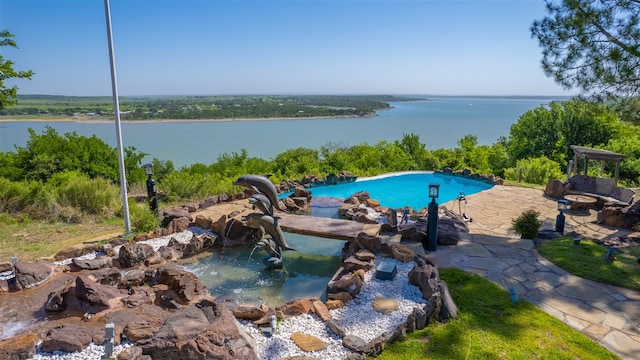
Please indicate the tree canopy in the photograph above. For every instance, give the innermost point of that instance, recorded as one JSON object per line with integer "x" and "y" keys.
{"x": 592, "y": 45}
{"x": 8, "y": 94}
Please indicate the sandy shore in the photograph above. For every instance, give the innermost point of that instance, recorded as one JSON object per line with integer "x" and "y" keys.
{"x": 105, "y": 120}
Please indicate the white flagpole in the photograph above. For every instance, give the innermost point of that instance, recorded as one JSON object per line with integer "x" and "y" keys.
{"x": 116, "y": 110}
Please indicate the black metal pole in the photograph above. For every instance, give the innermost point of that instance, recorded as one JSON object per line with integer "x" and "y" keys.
{"x": 152, "y": 194}
{"x": 560, "y": 223}
{"x": 432, "y": 226}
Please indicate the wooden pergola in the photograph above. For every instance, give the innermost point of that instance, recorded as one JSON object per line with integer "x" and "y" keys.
{"x": 595, "y": 154}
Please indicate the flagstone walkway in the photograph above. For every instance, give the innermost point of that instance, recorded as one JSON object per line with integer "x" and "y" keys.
{"x": 608, "y": 314}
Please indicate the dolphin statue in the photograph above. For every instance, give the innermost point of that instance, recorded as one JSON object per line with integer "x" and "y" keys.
{"x": 269, "y": 246}
{"x": 270, "y": 225}
{"x": 261, "y": 202}
{"x": 262, "y": 185}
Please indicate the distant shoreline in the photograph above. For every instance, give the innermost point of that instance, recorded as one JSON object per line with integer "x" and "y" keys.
{"x": 102, "y": 120}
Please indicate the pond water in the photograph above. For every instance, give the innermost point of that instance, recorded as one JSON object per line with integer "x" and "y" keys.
{"x": 242, "y": 274}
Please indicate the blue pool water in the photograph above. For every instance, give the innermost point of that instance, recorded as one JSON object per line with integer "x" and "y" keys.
{"x": 402, "y": 189}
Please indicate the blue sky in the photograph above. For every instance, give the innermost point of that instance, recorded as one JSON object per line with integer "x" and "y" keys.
{"x": 225, "y": 47}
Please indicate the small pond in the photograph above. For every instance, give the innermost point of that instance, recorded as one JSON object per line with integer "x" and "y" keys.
{"x": 241, "y": 273}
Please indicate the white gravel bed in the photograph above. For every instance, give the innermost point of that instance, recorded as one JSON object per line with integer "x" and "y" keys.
{"x": 92, "y": 352}
{"x": 6, "y": 275}
{"x": 357, "y": 317}
{"x": 182, "y": 237}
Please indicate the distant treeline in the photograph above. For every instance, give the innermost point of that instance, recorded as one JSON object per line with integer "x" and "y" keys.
{"x": 200, "y": 107}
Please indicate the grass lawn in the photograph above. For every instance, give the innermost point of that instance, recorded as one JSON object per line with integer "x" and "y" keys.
{"x": 587, "y": 260}
{"x": 31, "y": 240}
{"x": 491, "y": 326}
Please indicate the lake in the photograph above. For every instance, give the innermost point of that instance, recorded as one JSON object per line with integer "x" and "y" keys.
{"x": 439, "y": 122}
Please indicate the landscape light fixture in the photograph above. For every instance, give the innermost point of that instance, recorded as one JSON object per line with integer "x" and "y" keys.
{"x": 434, "y": 191}
{"x": 562, "y": 207}
{"x": 432, "y": 219}
{"x": 152, "y": 193}
{"x": 148, "y": 169}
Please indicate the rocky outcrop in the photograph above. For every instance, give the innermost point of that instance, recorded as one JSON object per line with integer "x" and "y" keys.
{"x": 205, "y": 330}
{"x": 67, "y": 338}
{"x": 92, "y": 264}
{"x": 134, "y": 254}
{"x": 185, "y": 287}
{"x": 30, "y": 274}
{"x": 20, "y": 347}
{"x": 96, "y": 294}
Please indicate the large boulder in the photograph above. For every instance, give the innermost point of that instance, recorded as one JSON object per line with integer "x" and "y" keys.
{"x": 203, "y": 221}
{"x": 107, "y": 276}
{"x": 57, "y": 299}
{"x": 440, "y": 304}
{"x": 556, "y": 189}
{"x": 449, "y": 231}
{"x": 97, "y": 294}
{"x": 235, "y": 233}
{"x": 134, "y": 254}
{"x": 218, "y": 226}
{"x": 186, "y": 287}
{"x": 30, "y": 274}
{"x": 20, "y": 347}
{"x": 206, "y": 330}
{"x": 92, "y": 264}
{"x": 68, "y": 338}
{"x": 179, "y": 225}
{"x": 171, "y": 214}
{"x": 346, "y": 282}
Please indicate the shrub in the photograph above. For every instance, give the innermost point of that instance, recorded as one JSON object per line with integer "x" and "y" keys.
{"x": 142, "y": 219}
{"x": 527, "y": 224}
{"x": 535, "y": 170}
{"x": 38, "y": 201}
{"x": 10, "y": 192}
{"x": 182, "y": 185}
{"x": 91, "y": 196}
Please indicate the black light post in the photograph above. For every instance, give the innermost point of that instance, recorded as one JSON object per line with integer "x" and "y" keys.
{"x": 562, "y": 207}
{"x": 432, "y": 218}
{"x": 152, "y": 193}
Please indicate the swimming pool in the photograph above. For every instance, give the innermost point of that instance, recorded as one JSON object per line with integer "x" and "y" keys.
{"x": 401, "y": 189}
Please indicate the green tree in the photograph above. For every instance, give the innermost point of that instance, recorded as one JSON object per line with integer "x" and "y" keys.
{"x": 416, "y": 150}
{"x": 537, "y": 133}
{"x": 550, "y": 131}
{"x": 498, "y": 158}
{"x": 49, "y": 153}
{"x": 296, "y": 163}
{"x": 8, "y": 94}
{"x": 586, "y": 124}
{"x": 393, "y": 157}
{"x": 593, "y": 45}
{"x": 333, "y": 158}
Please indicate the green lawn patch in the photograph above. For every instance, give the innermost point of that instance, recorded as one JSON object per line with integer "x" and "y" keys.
{"x": 587, "y": 260}
{"x": 491, "y": 326}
